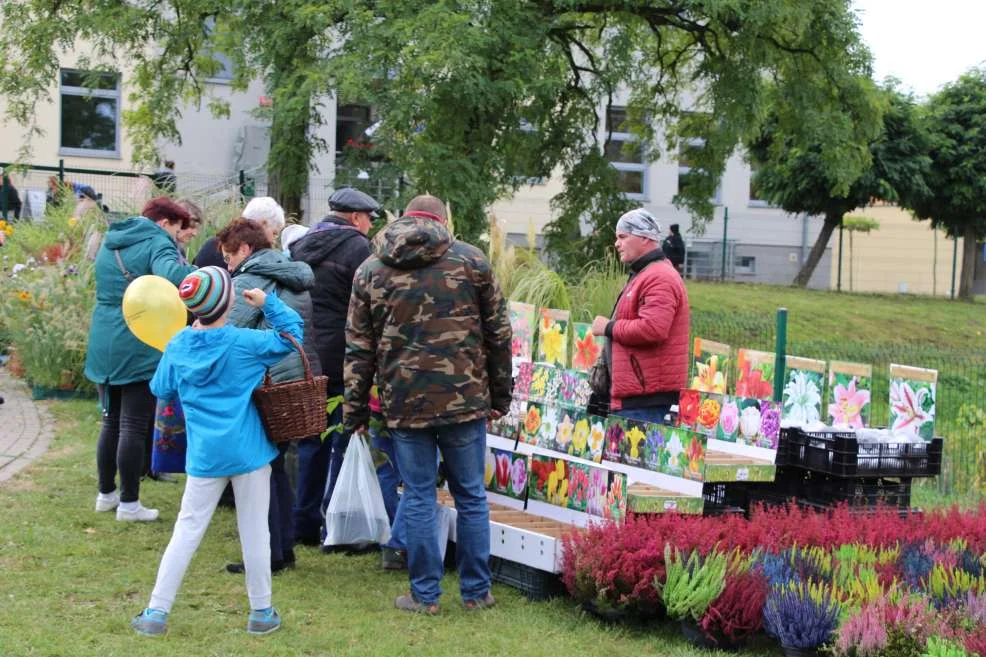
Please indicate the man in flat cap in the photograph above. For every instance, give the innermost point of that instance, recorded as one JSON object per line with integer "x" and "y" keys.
{"x": 334, "y": 248}
{"x": 647, "y": 346}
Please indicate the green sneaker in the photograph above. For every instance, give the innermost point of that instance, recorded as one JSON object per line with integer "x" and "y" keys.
{"x": 263, "y": 621}
{"x": 150, "y": 622}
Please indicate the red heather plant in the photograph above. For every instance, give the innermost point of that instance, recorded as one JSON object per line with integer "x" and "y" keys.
{"x": 738, "y": 611}
{"x": 615, "y": 565}
{"x": 975, "y": 641}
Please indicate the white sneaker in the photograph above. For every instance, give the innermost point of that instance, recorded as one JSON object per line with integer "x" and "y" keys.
{"x": 107, "y": 502}
{"x": 140, "y": 514}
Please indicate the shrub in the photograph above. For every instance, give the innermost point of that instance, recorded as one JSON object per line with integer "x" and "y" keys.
{"x": 738, "y": 611}
{"x": 691, "y": 586}
{"x": 801, "y": 614}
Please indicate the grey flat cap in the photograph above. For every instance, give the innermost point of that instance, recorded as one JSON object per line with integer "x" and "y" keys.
{"x": 347, "y": 199}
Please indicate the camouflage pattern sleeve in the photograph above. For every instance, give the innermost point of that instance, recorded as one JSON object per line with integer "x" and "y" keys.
{"x": 497, "y": 336}
{"x": 361, "y": 352}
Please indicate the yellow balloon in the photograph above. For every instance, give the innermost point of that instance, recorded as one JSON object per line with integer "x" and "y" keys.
{"x": 153, "y": 310}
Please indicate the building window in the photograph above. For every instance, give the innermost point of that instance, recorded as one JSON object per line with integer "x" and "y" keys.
{"x": 626, "y": 154}
{"x": 689, "y": 150}
{"x": 745, "y": 265}
{"x": 90, "y": 114}
{"x": 351, "y": 124}
{"x": 224, "y": 68}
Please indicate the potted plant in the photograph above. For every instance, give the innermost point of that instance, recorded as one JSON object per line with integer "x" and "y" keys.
{"x": 738, "y": 611}
{"x": 802, "y": 615}
{"x": 689, "y": 588}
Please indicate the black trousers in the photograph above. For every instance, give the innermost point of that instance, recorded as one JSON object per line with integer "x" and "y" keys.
{"x": 128, "y": 419}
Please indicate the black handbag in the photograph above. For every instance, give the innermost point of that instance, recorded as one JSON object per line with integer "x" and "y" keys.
{"x": 600, "y": 381}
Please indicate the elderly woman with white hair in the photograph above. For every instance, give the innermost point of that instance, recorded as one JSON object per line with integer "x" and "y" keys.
{"x": 265, "y": 211}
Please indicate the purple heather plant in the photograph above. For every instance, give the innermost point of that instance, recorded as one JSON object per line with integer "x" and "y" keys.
{"x": 802, "y": 615}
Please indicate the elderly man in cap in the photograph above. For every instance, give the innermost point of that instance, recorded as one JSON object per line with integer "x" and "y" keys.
{"x": 647, "y": 347}
{"x": 334, "y": 248}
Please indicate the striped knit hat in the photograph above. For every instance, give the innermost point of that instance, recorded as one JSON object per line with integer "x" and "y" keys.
{"x": 206, "y": 293}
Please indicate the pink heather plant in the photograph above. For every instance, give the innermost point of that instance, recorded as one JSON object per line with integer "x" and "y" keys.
{"x": 863, "y": 633}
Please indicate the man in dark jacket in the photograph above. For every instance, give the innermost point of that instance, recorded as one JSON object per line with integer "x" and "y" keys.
{"x": 674, "y": 248}
{"x": 428, "y": 324}
{"x": 13, "y": 204}
{"x": 334, "y": 248}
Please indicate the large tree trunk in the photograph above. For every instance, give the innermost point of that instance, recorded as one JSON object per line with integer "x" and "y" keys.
{"x": 967, "y": 274}
{"x": 287, "y": 164}
{"x": 815, "y": 255}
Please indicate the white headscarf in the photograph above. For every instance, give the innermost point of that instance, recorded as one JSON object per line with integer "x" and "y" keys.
{"x": 640, "y": 222}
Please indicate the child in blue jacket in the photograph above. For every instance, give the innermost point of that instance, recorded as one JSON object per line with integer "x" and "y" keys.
{"x": 213, "y": 369}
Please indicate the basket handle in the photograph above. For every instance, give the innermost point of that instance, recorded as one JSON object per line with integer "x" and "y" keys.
{"x": 304, "y": 359}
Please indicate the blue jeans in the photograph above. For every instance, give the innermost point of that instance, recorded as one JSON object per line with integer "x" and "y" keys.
{"x": 652, "y": 414}
{"x": 463, "y": 448}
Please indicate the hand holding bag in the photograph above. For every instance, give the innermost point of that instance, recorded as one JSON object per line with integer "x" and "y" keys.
{"x": 356, "y": 515}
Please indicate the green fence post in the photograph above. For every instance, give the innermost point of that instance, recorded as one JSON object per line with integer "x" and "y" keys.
{"x": 725, "y": 232}
{"x": 838, "y": 280}
{"x": 242, "y": 181}
{"x": 780, "y": 352}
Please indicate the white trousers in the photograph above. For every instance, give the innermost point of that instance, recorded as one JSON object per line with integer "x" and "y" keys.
{"x": 252, "y": 493}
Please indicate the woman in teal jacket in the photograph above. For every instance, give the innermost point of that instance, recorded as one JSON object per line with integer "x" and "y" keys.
{"x": 117, "y": 362}
{"x": 246, "y": 248}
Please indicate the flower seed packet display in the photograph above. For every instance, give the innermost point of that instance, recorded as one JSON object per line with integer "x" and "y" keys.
{"x": 616, "y": 497}
{"x": 597, "y": 438}
{"x": 541, "y": 469}
{"x": 574, "y": 390}
{"x": 684, "y": 453}
{"x": 753, "y": 422}
{"x": 579, "y": 446}
{"x": 506, "y": 473}
{"x": 522, "y": 382}
{"x": 523, "y": 318}
{"x": 549, "y": 426}
{"x": 509, "y": 425}
{"x": 634, "y": 434}
{"x": 912, "y": 401}
{"x": 754, "y": 374}
{"x": 804, "y": 383}
{"x": 538, "y": 390}
{"x": 517, "y": 486}
{"x": 655, "y": 441}
{"x": 850, "y": 388}
{"x": 531, "y": 426}
{"x": 597, "y": 496}
{"x": 578, "y": 486}
{"x": 586, "y": 347}
{"x": 553, "y": 337}
{"x": 613, "y": 446}
{"x": 552, "y": 391}
{"x": 699, "y": 411}
{"x": 710, "y": 366}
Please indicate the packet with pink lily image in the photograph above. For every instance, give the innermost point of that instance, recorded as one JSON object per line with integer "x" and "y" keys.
{"x": 849, "y": 393}
{"x": 912, "y": 401}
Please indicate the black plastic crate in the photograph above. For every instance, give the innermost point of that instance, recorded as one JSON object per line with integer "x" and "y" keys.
{"x": 827, "y": 490}
{"x": 533, "y": 583}
{"x": 843, "y": 455}
{"x": 725, "y": 495}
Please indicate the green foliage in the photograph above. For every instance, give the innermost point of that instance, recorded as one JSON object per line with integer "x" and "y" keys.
{"x": 956, "y": 200}
{"x": 691, "y": 585}
{"x": 808, "y": 180}
{"x": 939, "y": 647}
{"x": 860, "y": 224}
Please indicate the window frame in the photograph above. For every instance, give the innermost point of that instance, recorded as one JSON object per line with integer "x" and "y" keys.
{"x": 84, "y": 92}
{"x": 642, "y": 167}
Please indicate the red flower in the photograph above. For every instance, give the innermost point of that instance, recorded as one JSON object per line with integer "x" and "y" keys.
{"x": 751, "y": 384}
{"x": 586, "y": 352}
{"x": 688, "y": 408}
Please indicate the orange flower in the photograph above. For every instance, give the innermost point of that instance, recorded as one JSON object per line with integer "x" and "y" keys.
{"x": 533, "y": 420}
{"x": 24, "y": 295}
{"x": 708, "y": 413}
{"x": 586, "y": 352}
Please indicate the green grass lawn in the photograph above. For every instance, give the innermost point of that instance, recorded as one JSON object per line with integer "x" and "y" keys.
{"x": 70, "y": 580}
{"x": 815, "y": 315}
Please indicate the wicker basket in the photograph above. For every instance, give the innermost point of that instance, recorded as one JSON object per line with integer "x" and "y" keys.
{"x": 295, "y": 409}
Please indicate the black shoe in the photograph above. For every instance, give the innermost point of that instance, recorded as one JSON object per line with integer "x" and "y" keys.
{"x": 393, "y": 559}
{"x": 163, "y": 477}
{"x": 311, "y": 541}
{"x": 275, "y": 567}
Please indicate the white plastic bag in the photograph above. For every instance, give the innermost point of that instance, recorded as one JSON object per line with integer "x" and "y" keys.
{"x": 356, "y": 514}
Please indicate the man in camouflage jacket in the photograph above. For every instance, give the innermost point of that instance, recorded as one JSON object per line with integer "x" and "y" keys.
{"x": 428, "y": 324}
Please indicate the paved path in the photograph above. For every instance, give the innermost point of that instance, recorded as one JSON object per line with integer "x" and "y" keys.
{"x": 26, "y": 428}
